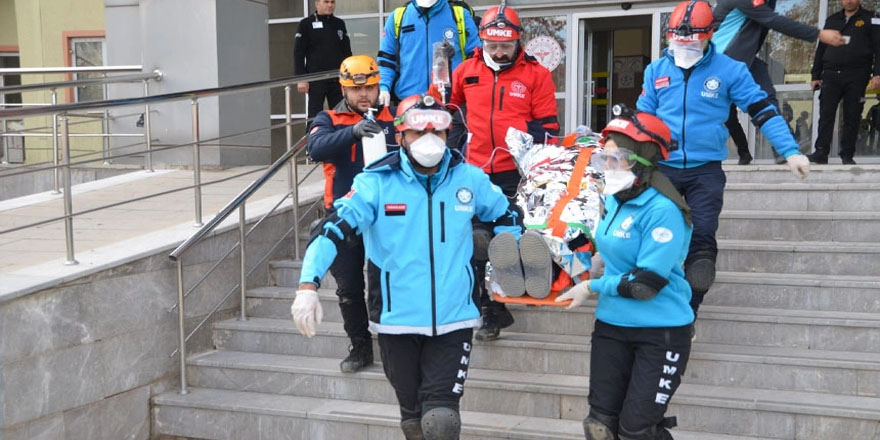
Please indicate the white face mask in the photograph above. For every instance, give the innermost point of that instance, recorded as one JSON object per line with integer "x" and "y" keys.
{"x": 492, "y": 64}
{"x": 428, "y": 150}
{"x": 426, "y": 3}
{"x": 686, "y": 54}
{"x": 618, "y": 180}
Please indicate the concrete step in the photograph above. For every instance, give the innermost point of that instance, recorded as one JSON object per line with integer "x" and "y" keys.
{"x": 830, "y": 293}
{"x": 738, "y": 362}
{"x": 816, "y": 329}
{"x": 832, "y": 226}
{"x": 796, "y": 257}
{"x": 767, "y": 173}
{"x": 207, "y": 413}
{"x": 541, "y": 394}
{"x": 863, "y": 197}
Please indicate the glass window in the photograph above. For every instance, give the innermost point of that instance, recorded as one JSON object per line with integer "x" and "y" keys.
{"x": 797, "y": 110}
{"x": 790, "y": 59}
{"x": 348, "y": 7}
{"x": 364, "y": 34}
{"x": 87, "y": 52}
{"x": 868, "y": 141}
{"x": 549, "y": 34}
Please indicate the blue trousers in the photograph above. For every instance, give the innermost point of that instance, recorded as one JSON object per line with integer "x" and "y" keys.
{"x": 703, "y": 190}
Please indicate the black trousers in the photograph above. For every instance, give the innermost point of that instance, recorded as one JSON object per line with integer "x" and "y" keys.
{"x": 508, "y": 181}
{"x": 348, "y": 270}
{"x": 328, "y": 89}
{"x": 426, "y": 372}
{"x": 634, "y": 372}
{"x": 848, "y": 85}
{"x": 737, "y": 134}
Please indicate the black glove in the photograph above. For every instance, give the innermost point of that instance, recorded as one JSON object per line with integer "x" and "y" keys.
{"x": 365, "y": 127}
{"x": 448, "y": 51}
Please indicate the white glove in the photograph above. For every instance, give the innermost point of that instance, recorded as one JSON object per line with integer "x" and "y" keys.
{"x": 306, "y": 311}
{"x": 577, "y": 294}
{"x": 385, "y": 98}
{"x": 799, "y": 165}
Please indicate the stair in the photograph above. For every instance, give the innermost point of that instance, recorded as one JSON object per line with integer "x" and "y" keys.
{"x": 788, "y": 342}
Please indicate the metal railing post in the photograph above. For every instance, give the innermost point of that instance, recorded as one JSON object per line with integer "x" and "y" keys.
{"x": 181, "y": 331}
{"x": 105, "y": 126}
{"x": 5, "y": 139}
{"x": 242, "y": 248}
{"x": 68, "y": 197}
{"x": 197, "y": 162}
{"x": 147, "y": 130}
{"x": 55, "y": 171}
{"x": 292, "y": 175}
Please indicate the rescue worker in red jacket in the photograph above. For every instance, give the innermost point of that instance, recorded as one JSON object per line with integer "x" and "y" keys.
{"x": 500, "y": 87}
{"x": 335, "y": 140}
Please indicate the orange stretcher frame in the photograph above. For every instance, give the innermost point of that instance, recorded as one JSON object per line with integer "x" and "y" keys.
{"x": 558, "y": 227}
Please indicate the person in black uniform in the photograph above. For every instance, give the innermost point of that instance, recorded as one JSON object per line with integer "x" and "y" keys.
{"x": 742, "y": 28}
{"x": 321, "y": 43}
{"x": 842, "y": 73}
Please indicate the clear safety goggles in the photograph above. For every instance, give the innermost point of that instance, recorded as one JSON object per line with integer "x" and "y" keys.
{"x": 619, "y": 159}
{"x": 495, "y": 46}
{"x": 419, "y": 119}
{"x": 359, "y": 79}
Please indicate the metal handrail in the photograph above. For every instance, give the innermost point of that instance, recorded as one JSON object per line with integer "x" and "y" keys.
{"x": 168, "y": 97}
{"x": 155, "y": 75}
{"x": 236, "y": 202}
{"x": 39, "y": 70}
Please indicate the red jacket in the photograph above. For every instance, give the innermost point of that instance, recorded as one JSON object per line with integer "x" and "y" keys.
{"x": 521, "y": 96}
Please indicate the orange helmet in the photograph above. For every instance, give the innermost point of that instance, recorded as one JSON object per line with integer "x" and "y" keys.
{"x": 420, "y": 112}
{"x": 358, "y": 70}
{"x": 691, "y": 20}
{"x": 641, "y": 127}
{"x": 500, "y": 23}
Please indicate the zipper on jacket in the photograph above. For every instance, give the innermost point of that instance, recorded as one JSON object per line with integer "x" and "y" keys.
{"x": 388, "y": 288}
{"x": 472, "y": 281}
{"x": 684, "y": 154}
{"x": 431, "y": 258}
{"x": 442, "y": 222}
{"x": 492, "y": 124}
{"x": 501, "y": 100}
{"x": 617, "y": 211}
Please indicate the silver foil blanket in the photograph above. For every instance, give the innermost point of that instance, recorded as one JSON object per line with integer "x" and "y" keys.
{"x": 546, "y": 170}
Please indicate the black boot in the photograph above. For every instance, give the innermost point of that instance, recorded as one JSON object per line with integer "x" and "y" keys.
{"x": 360, "y": 356}
{"x": 495, "y": 318}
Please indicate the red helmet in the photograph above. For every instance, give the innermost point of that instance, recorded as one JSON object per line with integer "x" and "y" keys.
{"x": 500, "y": 23}
{"x": 641, "y": 127}
{"x": 691, "y": 20}
{"x": 420, "y": 112}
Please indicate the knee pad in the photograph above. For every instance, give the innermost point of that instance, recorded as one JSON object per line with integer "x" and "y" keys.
{"x": 700, "y": 273}
{"x": 441, "y": 424}
{"x": 412, "y": 429}
{"x": 600, "y": 427}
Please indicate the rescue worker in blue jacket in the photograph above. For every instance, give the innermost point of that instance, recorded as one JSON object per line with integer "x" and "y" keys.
{"x": 691, "y": 89}
{"x": 641, "y": 339}
{"x": 405, "y": 52}
{"x": 336, "y": 140}
{"x": 414, "y": 209}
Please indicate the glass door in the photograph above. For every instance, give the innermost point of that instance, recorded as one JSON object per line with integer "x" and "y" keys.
{"x": 612, "y": 49}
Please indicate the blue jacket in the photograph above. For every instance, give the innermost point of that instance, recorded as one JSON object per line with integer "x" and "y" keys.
{"x": 405, "y": 64}
{"x": 695, "y": 103}
{"x": 649, "y": 233}
{"x": 418, "y": 241}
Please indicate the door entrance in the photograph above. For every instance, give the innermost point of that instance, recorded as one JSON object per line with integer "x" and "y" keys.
{"x": 617, "y": 50}
{"x": 613, "y": 49}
